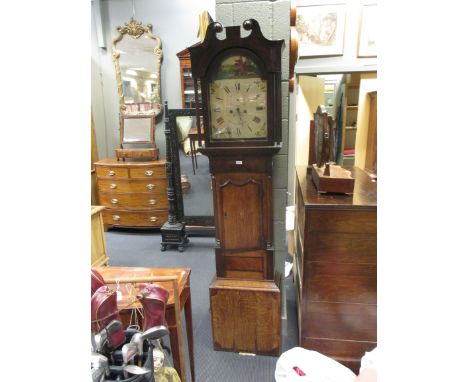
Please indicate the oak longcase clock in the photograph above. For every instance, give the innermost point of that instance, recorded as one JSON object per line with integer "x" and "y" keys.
{"x": 240, "y": 83}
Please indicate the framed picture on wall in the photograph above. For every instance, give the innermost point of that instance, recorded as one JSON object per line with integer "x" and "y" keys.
{"x": 367, "y": 45}
{"x": 321, "y": 30}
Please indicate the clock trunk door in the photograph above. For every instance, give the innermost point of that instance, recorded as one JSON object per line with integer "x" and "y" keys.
{"x": 241, "y": 215}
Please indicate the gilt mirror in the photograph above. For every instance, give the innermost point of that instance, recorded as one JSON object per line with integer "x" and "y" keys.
{"x": 137, "y": 58}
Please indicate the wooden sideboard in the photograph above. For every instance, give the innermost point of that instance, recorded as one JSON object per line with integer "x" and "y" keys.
{"x": 335, "y": 268}
{"x": 133, "y": 192}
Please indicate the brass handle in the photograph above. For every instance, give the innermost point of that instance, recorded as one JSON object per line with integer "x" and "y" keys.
{"x": 150, "y": 186}
{"x": 149, "y": 173}
{"x": 152, "y": 201}
{"x": 152, "y": 219}
{"x": 111, "y": 173}
{"x": 113, "y": 185}
{"x": 116, "y": 218}
{"x": 114, "y": 201}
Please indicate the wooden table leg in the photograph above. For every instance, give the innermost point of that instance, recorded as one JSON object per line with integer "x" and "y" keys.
{"x": 189, "y": 327}
{"x": 175, "y": 349}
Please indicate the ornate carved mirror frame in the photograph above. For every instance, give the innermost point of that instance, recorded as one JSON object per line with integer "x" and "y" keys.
{"x": 138, "y": 45}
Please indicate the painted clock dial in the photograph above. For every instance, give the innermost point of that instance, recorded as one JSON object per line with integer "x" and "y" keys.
{"x": 237, "y": 101}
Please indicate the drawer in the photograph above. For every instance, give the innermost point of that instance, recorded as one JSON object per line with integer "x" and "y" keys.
{"x": 350, "y": 283}
{"x": 351, "y": 221}
{"x": 158, "y": 186}
{"x": 338, "y": 348}
{"x": 127, "y": 218}
{"x": 148, "y": 172}
{"x": 339, "y": 247}
{"x": 352, "y": 322}
{"x": 111, "y": 172}
{"x": 134, "y": 200}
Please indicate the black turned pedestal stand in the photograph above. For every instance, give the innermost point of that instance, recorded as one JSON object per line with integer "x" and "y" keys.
{"x": 173, "y": 231}
{"x": 174, "y": 234}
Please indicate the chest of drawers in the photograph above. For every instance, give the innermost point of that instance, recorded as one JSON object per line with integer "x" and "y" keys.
{"x": 335, "y": 268}
{"x": 134, "y": 193}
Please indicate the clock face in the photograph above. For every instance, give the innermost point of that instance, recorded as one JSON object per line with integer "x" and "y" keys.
{"x": 238, "y": 101}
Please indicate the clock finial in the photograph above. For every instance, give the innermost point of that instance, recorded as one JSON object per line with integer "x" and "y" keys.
{"x": 218, "y": 27}
{"x": 247, "y": 24}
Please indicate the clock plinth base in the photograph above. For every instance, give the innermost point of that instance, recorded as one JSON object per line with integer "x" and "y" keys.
{"x": 174, "y": 235}
{"x": 246, "y": 316}
{"x": 339, "y": 180}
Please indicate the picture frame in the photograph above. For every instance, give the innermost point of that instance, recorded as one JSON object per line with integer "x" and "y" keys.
{"x": 321, "y": 29}
{"x": 367, "y": 42}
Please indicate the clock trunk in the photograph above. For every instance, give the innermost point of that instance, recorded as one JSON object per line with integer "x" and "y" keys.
{"x": 242, "y": 196}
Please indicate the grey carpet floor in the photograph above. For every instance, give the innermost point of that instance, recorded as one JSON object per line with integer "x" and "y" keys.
{"x": 142, "y": 249}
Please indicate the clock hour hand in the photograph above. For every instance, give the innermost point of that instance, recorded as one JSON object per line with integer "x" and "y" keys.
{"x": 240, "y": 116}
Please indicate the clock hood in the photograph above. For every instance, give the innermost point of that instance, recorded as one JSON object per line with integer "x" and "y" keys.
{"x": 205, "y": 52}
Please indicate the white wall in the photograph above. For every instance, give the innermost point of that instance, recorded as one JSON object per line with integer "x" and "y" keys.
{"x": 368, "y": 84}
{"x": 309, "y": 97}
{"x": 349, "y": 60}
{"x": 175, "y": 22}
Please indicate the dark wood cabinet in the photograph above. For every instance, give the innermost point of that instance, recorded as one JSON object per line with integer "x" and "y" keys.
{"x": 335, "y": 268}
{"x": 186, "y": 80}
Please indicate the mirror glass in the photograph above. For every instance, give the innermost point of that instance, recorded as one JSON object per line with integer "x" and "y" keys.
{"x": 137, "y": 130}
{"x": 137, "y": 58}
{"x": 195, "y": 197}
{"x": 196, "y": 179}
{"x": 351, "y": 99}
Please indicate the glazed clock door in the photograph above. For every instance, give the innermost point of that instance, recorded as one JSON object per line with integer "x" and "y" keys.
{"x": 237, "y": 101}
{"x": 238, "y": 108}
